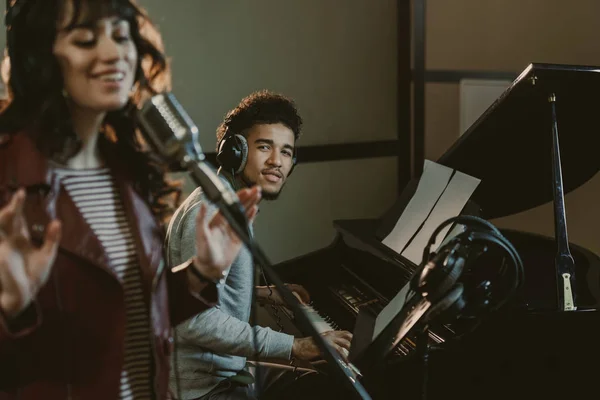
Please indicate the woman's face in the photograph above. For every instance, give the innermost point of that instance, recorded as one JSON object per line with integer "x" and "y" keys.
{"x": 98, "y": 61}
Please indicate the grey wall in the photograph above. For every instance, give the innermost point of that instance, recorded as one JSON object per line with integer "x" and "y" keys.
{"x": 507, "y": 35}
{"x": 336, "y": 58}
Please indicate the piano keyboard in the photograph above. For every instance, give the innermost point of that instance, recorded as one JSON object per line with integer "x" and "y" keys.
{"x": 353, "y": 299}
{"x": 320, "y": 321}
{"x": 324, "y": 323}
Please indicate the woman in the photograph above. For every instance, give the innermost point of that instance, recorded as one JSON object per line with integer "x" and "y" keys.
{"x": 86, "y": 302}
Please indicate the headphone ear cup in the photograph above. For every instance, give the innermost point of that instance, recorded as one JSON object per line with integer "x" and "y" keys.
{"x": 233, "y": 153}
{"x": 224, "y": 153}
{"x": 439, "y": 280}
{"x": 448, "y": 306}
{"x": 242, "y": 147}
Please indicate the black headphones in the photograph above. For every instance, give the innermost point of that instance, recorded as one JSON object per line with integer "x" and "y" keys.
{"x": 232, "y": 153}
{"x": 437, "y": 280}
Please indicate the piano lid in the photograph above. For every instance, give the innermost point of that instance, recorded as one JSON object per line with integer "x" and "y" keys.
{"x": 510, "y": 146}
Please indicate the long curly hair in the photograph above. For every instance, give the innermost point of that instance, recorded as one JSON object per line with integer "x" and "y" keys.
{"x": 35, "y": 102}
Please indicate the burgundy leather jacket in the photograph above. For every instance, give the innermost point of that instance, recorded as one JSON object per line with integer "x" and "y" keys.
{"x": 69, "y": 343}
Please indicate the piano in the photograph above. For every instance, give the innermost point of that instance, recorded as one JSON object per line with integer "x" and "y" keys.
{"x": 533, "y": 347}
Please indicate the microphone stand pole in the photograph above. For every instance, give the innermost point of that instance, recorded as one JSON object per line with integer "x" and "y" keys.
{"x": 423, "y": 357}
{"x": 216, "y": 192}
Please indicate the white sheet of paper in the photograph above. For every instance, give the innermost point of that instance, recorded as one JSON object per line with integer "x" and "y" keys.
{"x": 390, "y": 311}
{"x": 433, "y": 181}
{"x": 451, "y": 203}
{"x": 411, "y": 319}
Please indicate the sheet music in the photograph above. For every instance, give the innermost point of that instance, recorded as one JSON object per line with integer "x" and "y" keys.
{"x": 450, "y": 204}
{"x": 411, "y": 319}
{"x": 440, "y": 195}
{"x": 391, "y": 310}
{"x": 431, "y": 185}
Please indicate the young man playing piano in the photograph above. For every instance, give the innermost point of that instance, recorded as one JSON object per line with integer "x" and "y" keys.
{"x": 256, "y": 146}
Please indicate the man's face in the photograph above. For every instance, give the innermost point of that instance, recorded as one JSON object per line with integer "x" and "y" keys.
{"x": 270, "y": 153}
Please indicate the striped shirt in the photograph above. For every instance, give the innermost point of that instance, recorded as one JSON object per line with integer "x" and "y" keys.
{"x": 95, "y": 193}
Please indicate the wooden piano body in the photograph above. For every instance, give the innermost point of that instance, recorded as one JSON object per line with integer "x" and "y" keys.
{"x": 531, "y": 348}
{"x": 516, "y": 354}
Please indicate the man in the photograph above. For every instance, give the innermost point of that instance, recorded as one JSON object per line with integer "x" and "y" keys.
{"x": 256, "y": 146}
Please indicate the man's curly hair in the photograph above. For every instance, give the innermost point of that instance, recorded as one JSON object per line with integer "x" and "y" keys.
{"x": 262, "y": 107}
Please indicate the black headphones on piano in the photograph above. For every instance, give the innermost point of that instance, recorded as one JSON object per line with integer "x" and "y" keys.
{"x": 438, "y": 278}
{"x": 232, "y": 153}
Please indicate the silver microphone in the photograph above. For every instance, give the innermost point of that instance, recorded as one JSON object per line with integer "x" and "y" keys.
{"x": 174, "y": 136}
{"x": 169, "y": 129}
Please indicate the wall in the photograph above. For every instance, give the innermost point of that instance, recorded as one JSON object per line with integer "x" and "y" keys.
{"x": 336, "y": 58}
{"x": 507, "y": 35}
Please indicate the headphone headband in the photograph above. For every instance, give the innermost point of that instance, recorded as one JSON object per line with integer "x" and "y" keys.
{"x": 438, "y": 277}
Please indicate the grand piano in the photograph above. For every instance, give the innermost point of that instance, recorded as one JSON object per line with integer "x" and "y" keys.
{"x": 534, "y": 347}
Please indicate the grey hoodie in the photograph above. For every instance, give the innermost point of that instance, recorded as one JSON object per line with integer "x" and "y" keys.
{"x": 213, "y": 345}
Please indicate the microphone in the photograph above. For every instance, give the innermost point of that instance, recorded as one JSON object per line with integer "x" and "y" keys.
{"x": 174, "y": 136}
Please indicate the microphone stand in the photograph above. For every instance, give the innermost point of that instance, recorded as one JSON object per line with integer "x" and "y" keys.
{"x": 423, "y": 357}
{"x": 215, "y": 191}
